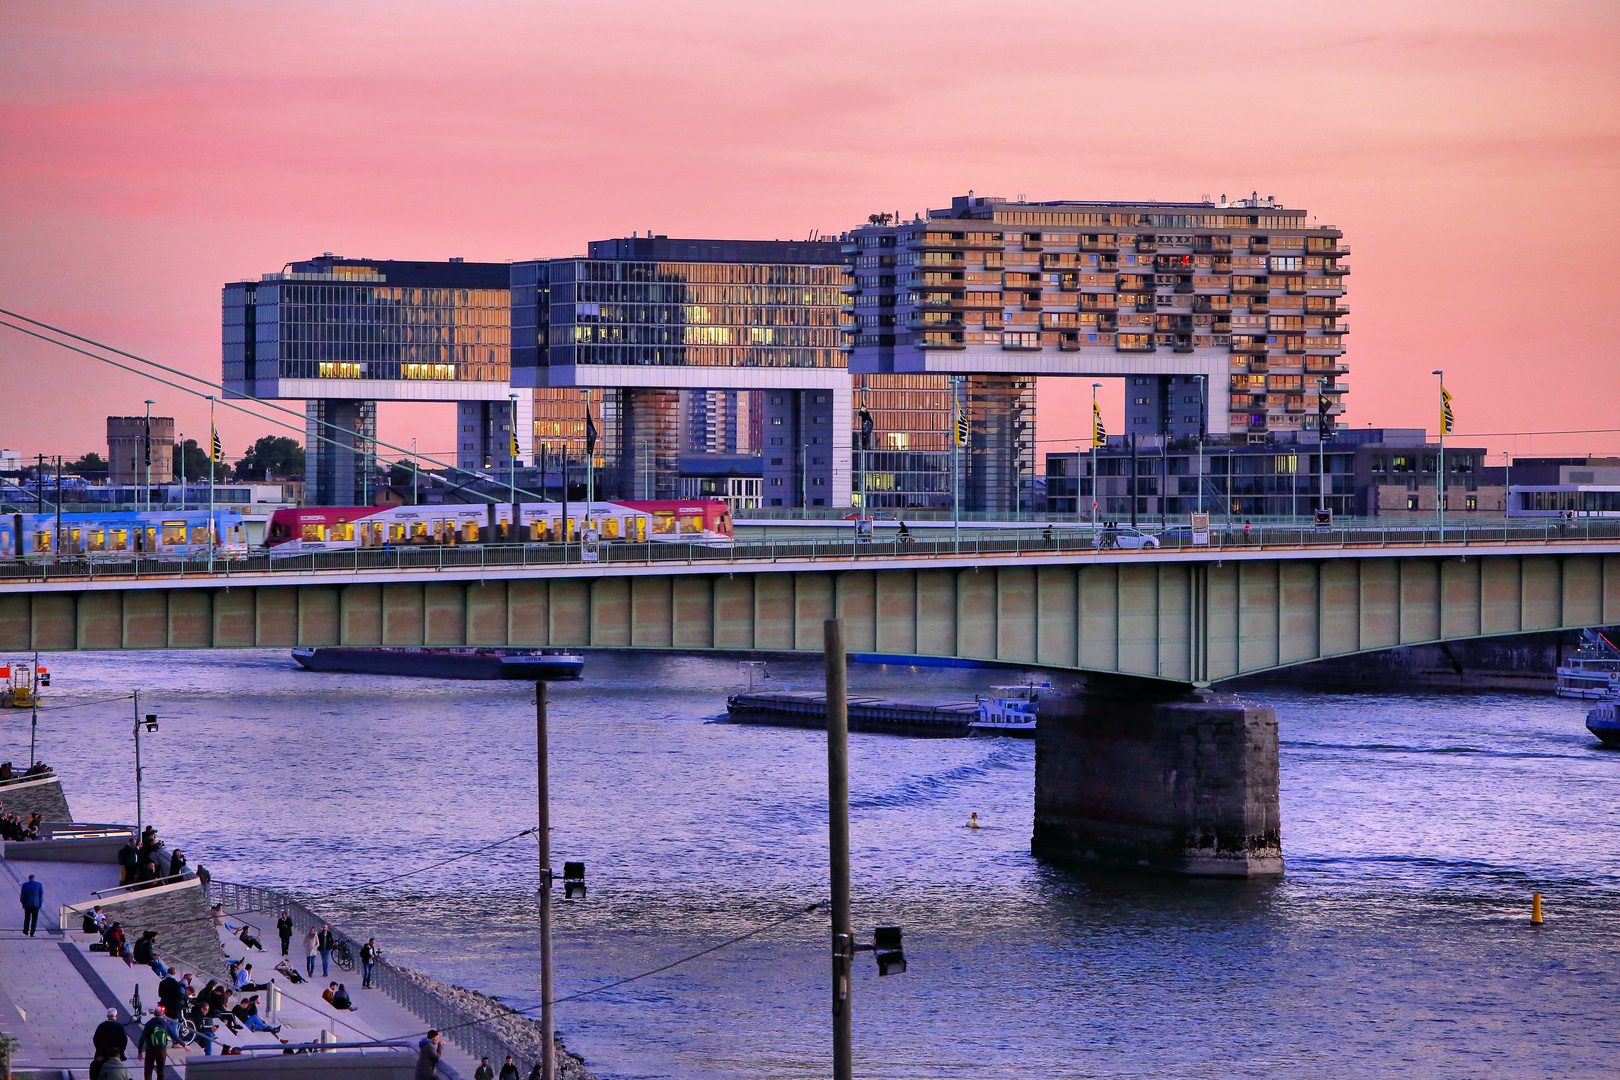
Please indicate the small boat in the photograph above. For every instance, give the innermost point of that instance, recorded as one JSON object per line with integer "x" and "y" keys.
{"x": 1009, "y": 710}
{"x": 1604, "y": 719}
{"x": 530, "y": 665}
{"x": 1586, "y": 674}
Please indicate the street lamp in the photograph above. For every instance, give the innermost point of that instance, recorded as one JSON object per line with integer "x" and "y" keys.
{"x": 150, "y": 723}
{"x": 146, "y": 455}
{"x": 512, "y": 446}
{"x": 1095, "y": 431}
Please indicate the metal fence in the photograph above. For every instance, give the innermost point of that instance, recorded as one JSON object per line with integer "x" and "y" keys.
{"x": 458, "y": 1024}
{"x": 1066, "y": 538}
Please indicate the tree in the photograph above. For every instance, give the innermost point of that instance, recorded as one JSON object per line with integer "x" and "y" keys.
{"x": 90, "y": 463}
{"x": 196, "y": 461}
{"x": 275, "y": 454}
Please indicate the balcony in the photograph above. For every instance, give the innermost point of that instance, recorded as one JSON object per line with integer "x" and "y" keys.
{"x": 1212, "y": 245}
{"x": 1098, "y": 302}
{"x": 1124, "y": 344}
{"x": 1337, "y": 268}
{"x": 1146, "y": 244}
{"x": 1068, "y": 343}
{"x": 851, "y": 289}
{"x": 849, "y": 247}
{"x": 1331, "y": 249}
{"x": 1259, "y": 306}
{"x": 1032, "y": 302}
{"x": 1250, "y": 348}
{"x": 925, "y": 243}
{"x": 1251, "y": 285}
{"x": 1184, "y": 345}
{"x": 916, "y": 323}
{"x": 1098, "y": 245}
{"x": 1257, "y": 247}
{"x": 1147, "y": 302}
{"x": 942, "y": 341}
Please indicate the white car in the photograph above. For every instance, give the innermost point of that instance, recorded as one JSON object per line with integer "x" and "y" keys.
{"x": 1126, "y": 539}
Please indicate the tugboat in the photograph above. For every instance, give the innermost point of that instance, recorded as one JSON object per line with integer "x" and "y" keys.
{"x": 1009, "y": 710}
{"x": 1586, "y": 674}
{"x": 531, "y": 665}
{"x": 1604, "y": 720}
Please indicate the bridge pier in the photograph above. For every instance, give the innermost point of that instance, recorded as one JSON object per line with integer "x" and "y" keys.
{"x": 1130, "y": 774}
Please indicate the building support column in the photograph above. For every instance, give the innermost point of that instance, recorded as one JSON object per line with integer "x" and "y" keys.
{"x": 1131, "y": 774}
{"x": 340, "y": 441}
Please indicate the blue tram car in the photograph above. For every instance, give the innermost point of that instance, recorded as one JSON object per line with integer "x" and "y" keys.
{"x": 126, "y": 534}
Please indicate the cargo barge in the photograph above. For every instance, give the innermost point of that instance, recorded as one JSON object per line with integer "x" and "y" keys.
{"x": 530, "y": 665}
{"x": 1009, "y": 711}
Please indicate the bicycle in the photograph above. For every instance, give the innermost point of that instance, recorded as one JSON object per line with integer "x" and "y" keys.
{"x": 342, "y": 957}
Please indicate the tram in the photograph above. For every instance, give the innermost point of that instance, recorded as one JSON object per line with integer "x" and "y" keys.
{"x": 130, "y": 534}
{"x": 340, "y": 528}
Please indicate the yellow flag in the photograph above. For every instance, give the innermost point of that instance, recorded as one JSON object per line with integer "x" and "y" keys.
{"x": 1099, "y": 435}
{"x": 1448, "y": 422}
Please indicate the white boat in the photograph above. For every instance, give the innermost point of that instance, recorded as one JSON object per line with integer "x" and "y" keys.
{"x": 1009, "y": 710}
{"x": 1586, "y": 674}
{"x": 1604, "y": 720}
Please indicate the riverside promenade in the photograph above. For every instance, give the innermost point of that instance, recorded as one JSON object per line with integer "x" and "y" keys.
{"x": 54, "y": 990}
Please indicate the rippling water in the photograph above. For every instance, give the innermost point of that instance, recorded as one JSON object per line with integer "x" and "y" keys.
{"x": 1415, "y": 827}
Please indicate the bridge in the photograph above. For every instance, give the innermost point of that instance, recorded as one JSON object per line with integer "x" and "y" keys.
{"x": 1138, "y": 761}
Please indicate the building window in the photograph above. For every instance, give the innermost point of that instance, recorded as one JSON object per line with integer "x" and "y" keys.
{"x": 1411, "y": 502}
{"x": 776, "y": 502}
{"x": 776, "y": 440}
{"x": 818, "y": 502}
{"x": 1473, "y": 502}
{"x": 776, "y": 481}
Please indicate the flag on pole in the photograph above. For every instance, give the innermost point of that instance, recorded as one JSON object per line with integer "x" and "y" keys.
{"x": 1099, "y": 434}
{"x": 1448, "y": 422}
{"x": 514, "y": 444}
{"x": 962, "y": 428}
{"x": 219, "y": 447}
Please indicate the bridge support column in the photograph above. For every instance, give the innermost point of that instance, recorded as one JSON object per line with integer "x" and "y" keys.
{"x": 1127, "y": 775}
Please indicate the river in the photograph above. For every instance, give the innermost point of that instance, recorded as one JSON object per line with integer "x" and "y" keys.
{"x": 1415, "y": 828}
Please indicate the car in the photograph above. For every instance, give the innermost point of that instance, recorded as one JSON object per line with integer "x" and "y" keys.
{"x": 1126, "y": 539}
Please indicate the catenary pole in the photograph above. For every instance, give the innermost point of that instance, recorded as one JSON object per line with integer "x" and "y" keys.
{"x": 212, "y": 524}
{"x": 548, "y": 1060}
{"x": 843, "y": 952}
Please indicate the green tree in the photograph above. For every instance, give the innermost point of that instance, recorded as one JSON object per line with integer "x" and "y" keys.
{"x": 90, "y": 463}
{"x": 196, "y": 462}
{"x": 280, "y": 456}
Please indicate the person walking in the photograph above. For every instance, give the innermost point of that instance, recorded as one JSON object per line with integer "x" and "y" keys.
{"x": 368, "y": 962}
{"x": 509, "y": 1071}
{"x": 312, "y": 949}
{"x": 33, "y": 898}
{"x": 327, "y": 942}
{"x": 156, "y": 1038}
{"x": 428, "y": 1052}
{"x": 483, "y": 1072}
{"x": 284, "y": 927}
{"x": 110, "y": 1038}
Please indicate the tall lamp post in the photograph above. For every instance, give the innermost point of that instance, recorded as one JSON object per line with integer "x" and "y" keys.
{"x": 150, "y": 723}
{"x": 213, "y": 459}
{"x": 512, "y": 448}
{"x": 1203, "y": 427}
{"x": 959, "y": 436}
{"x": 146, "y": 457}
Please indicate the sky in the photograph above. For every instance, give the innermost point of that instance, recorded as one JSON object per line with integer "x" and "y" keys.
{"x": 1470, "y": 151}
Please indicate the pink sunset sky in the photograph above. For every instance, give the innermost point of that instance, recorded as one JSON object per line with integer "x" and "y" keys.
{"x": 153, "y": 151}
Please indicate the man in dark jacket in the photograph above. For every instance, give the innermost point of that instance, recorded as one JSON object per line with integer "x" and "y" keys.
{"x": 129, "y": 857}
{"x": 509, "y": 1071}
{"x": 33, "y": 898}
{"x": 483, "y": 1072}
{"x": 172, "y": 996}
{"x": 284, "y": 927}
{"x": 326, "y": 942}
{"x": 110, "y": 1039}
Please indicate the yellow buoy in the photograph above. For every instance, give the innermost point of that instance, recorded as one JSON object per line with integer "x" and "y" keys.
{"x": 973, "y": 821}
{"x": 1535, "y": 909}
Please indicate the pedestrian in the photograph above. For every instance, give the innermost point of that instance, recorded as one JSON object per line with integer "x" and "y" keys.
{"x": 483, "y": 1072}
{"x": 1047, "y": 536}
{"x": 536, "y": 1073}
{"x": 156, "y": 1038}
{"x": 509, "y": 1071}
{"x": 129, "y": 857}
{"x": 33, "y": 898}
{"x": 327, "y": 942}
{"x": 111, "y": 1069}
{"x": 203, "y": 1019}
{"x": 312, "y": 949}
{"x": 284, "y": 927}
{"x": 110, "y": 1039}
{"x": 428, "y": 1052}
{"x": 177, "y": 863}
{"x": 368, "y": 962}
{"x": 1245, "y": 531}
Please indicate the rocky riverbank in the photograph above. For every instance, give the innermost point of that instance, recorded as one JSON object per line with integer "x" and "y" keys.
{"x": 517, "y": 1030}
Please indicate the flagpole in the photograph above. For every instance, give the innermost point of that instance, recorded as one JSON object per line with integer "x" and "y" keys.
{"x": 1440, "y": 472}
{"x": 1094, "y": 440}
{"x": 213, "y": 456}
{"x": 956, "y": 463}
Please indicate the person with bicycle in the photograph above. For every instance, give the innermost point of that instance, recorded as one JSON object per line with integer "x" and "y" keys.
{"x": 153, "y": 1046}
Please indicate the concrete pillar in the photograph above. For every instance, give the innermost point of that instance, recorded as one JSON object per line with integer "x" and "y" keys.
{"x": 1131, "y": 775}
{"x": 339, "y": 446}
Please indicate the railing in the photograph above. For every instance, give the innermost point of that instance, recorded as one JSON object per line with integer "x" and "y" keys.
{"x": 462, "y": 1026}
{"x": 1066, "y": 535}
{"x": 120, "y": 891}
{"x": 28, "y": 778}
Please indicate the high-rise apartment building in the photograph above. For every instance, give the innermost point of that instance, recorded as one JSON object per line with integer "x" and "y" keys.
{"x": 1224, "y": 317}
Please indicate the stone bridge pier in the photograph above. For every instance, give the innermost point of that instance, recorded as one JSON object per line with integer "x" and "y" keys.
{"x": 1145, "y": 775}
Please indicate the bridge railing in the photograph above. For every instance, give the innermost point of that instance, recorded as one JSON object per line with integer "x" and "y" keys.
{"x": 1056, "y": 538}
